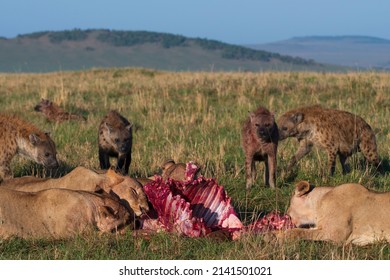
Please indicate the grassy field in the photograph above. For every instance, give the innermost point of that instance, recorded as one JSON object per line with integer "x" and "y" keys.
{"x": 197, "y": 116}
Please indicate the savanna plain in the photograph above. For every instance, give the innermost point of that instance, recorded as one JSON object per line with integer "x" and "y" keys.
{"x": 197, "y": 116}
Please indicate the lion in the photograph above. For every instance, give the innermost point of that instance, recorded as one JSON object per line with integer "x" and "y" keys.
{"x": 129, "y": 191}
{"x": 348, "y": 213}
{"x": 58, "y": 213}
{"x": 175, "y": 171}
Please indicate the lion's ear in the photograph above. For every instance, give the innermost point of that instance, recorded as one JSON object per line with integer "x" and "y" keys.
{"x": 167, "y": 163}
{"x": 302, "y": 188}
{"x": 114, "y": 176}
{"x": 99, "y": 189}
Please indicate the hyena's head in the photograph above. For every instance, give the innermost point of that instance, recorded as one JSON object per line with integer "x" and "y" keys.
{"x": 44, "y": 106}
{"x": 263, "y": 124}
{"x": 119, "y": 135}
{"x": 41, "y": 149}
{"x": 288, "y": 124}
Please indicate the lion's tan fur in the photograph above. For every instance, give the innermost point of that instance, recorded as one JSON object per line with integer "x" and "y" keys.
{"x": 58, "y": 213}
{"x": 347, "y": 213}
{"x": 127, "y": 189}
{"x": 173, "y": 170}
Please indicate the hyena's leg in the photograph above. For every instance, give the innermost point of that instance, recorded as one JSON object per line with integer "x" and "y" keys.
{"x": 127, "y": 162}
{"x": 332, "y": 153}
{"x": 249, "y": 170}
{"x": 345, "y": 166}
{"x": 271, "y": 170}
{"x": 123, "y": 164}
{"x": 305, "y": 147}
{"x": 266, "y": 172}
{"x": 104, "y": 159}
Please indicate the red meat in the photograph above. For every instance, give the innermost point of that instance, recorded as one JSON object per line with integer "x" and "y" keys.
{"x": 197, "y": 207}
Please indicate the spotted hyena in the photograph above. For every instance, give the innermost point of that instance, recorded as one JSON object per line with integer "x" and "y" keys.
{"x": 54, "y": 113}
{"x": 338, "y": 132}
{"x": 115, "y": 140}
{"x": 260, "y": 143}
{"x": 20, "y": 137}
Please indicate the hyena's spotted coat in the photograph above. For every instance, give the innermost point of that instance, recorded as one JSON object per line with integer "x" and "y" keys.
{"x": 338, "y": 132}
{"x": 115, "y": 140}
{"x": 20, "y": 137}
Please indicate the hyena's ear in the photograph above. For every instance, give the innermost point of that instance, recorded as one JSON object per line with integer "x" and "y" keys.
{"x": 129, "y": 126}
{"x": 297, "y": 118}
{"x": 251, "y": 115}
{"x": 302, "y": 188}
{"x": 34, "y": 139}
{"x": 108, "y": 126}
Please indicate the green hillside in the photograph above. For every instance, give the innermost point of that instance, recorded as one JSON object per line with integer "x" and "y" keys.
{"x": 82, "y": 49}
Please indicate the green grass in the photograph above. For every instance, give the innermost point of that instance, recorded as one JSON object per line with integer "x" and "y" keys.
{"x": 196, "y": 116}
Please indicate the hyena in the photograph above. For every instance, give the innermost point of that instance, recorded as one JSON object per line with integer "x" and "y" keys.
{"x": 260, "y": 143}
{"x": 338, "y": 132}
{"x": 20, "y": 137}
{"x": 115, "y": 140}
{"x": 55, "y": 113}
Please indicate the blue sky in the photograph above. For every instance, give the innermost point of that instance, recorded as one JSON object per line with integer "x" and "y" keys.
{"x": 237, "y": 22}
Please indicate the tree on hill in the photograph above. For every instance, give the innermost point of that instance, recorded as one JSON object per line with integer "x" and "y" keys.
{"x": 131, "y": 38}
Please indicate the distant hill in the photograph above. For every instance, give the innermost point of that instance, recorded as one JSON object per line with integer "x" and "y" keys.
{"x": 353, "y": 51}
{"x": 81, "y": 49}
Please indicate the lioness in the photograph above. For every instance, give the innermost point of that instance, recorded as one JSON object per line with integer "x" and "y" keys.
{"x": 173, "y": 170}
{"x": 176, "y": 171}
{"x": 127, "y": 189}
{"x": 347, "y": 213}
{"x": 58, "y": 213}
